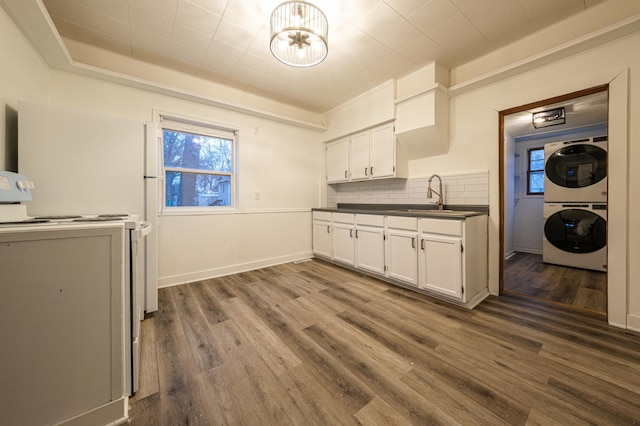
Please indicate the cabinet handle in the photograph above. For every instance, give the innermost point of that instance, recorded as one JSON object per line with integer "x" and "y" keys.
{"x": 350, "y": 233}
{"x": 345, "y": 175}
{"x": 328, "y": 232}
{"x": 366, "y": 171}
{"x": 413, "y": 243}
{"x": 371, "y": 171}
{"x": 356, "y": 233}
{"x": 422, "y": 244}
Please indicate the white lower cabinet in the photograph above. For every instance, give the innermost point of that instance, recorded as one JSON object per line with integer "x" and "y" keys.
{"x": 441, "y": 264}
{"x": 443, "y": 257}
{"x": 402, "y": 249}
{"x": 370, "y": 243}
{"x": 453, "y": 258}
{"x": 344, "y": 238}
{"x": 322, "y": 235}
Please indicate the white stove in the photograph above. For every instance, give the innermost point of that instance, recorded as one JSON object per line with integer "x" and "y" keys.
{"x": 15, "y": 190}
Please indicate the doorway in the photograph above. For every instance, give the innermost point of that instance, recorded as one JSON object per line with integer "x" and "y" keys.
{"x": 530, "y": 264}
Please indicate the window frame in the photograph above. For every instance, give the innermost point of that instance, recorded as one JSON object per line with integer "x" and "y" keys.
{"x": 530, "y": 171}
{"x": 208, "y": 129}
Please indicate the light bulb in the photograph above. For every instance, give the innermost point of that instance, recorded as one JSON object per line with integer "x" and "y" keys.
{"x": 302, "y": 52}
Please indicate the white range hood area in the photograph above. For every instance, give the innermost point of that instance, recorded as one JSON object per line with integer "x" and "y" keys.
{"x": 422, "y": 112}
{"x": 422, "y": 122}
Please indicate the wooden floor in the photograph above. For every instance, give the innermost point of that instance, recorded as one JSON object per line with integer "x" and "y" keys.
{"x": 525, "y": 273}
{"x": 314, "y": 344}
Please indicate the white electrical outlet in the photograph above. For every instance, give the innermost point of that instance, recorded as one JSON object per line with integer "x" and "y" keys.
{"x": 257, "y": 196}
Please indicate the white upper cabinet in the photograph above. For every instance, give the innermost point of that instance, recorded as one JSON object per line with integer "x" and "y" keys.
{"x": 338, "y": 161}
{"x": 372, "y": 154}
{"x": 382, "y": 153}
{"x": 360, "y": 156}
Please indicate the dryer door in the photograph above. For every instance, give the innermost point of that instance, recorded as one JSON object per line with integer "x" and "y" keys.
{"x": 577, "y": 166}
{"x": 576, "y": 231}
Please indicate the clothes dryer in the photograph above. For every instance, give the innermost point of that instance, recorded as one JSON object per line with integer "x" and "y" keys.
{"x": 576, "y": 171}
{"x": 575, "y": 234}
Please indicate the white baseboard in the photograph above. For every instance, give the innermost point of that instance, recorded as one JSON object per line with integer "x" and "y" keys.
{"x": 633, "y": 322}
{"x": 231, "y": 269}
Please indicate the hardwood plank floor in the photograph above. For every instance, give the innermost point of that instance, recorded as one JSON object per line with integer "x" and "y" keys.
{"x": 315, "y": 344}
{"x": 526, "y": 274}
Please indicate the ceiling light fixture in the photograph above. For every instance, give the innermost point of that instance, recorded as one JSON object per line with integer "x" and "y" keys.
{"x": 299, "y": 34}
{"x": 548, "y": 118}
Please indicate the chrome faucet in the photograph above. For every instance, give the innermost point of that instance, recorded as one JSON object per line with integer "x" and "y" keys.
{"x": 431, "y": 191}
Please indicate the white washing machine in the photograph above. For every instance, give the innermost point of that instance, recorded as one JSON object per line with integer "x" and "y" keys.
{"x": 576, "y": 171}
{"x": 575, "y": 234}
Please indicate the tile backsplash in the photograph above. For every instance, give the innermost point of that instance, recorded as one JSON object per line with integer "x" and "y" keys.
{"x": 459, "y": 189}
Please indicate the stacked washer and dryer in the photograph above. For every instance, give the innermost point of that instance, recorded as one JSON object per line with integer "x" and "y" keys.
{"x": 575, "y": 203}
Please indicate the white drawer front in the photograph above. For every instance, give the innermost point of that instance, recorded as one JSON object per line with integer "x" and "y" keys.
{"x": 402, "y": 222}
{"x": 322, "y": 216}
{"x": 370, "y": 220}
{"x": 343, "y": 217}
{"x": 441, "y": 226}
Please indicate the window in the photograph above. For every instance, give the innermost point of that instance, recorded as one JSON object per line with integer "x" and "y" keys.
{"x": 199, "y": 166}
{"x": 535, "y": 171}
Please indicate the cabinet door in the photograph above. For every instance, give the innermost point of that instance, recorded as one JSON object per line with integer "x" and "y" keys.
{"x": 343, "y": 243}
{"x": 338, "y": 161}
{"x": 441, "y": 264}
{"x": 370, "y": 249}
{"x": 382, "y": 152}
{"x": 322, "y": 238}
{"x": 402, "y": 256}
{"x": 360, "y": 156}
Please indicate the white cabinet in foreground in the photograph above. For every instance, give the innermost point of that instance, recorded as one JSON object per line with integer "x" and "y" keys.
{"x": 453, "y": 258}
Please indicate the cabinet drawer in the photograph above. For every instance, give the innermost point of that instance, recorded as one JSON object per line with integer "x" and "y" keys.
{"x": 441, "y": 226}
{"x": 343, "y": 217}
{"x": 322, "y": 216}
{"x": 370, "y": 220}
{"x": 402, "y": 222}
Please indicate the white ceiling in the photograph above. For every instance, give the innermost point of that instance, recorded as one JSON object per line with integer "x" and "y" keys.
{"x": 580, "y": 112}
{"x": 370, "y": 41}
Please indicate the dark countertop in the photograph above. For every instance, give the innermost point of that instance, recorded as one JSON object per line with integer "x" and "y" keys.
{"x": 411, "y": 210}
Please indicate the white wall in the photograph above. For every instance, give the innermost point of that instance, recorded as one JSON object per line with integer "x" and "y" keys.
{"x": 281, "y": 161}
{"x": 527, "y": 210}
{"x": 509, "y": 194}
{"x": 23, "y": 76}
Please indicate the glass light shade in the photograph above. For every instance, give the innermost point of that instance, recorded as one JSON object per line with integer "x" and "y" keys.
{"x": 299, "y": 34}
{"x": 548, "y": 118}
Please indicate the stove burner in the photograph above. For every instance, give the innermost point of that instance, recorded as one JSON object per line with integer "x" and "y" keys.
{"x": 98, "y": 219}
{"x": 59, "y": 217}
